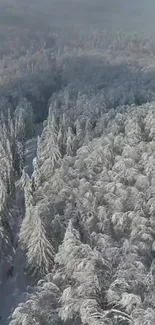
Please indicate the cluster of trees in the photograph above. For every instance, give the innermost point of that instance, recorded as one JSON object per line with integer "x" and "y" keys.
{"x": 13, "y": 133}
{"x": 32, "y": 76}
{"x": 88, "y": 232}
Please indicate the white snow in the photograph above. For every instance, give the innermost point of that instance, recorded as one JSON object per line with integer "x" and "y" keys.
{"x": 15, "y": 286}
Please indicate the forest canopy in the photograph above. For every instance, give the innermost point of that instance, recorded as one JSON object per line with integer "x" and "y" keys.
{"x": 77, "y": 153}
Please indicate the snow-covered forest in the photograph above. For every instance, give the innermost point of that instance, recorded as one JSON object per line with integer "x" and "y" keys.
{"x": 77, "y": 162}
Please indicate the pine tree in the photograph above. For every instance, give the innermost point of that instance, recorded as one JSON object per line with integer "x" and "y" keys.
{"x": 28, "y": 222}
{"x": 40, "y": 253}
{"x": 40, "y": 307}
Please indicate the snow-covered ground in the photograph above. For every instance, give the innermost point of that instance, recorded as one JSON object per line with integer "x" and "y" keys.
{"x": 16, "y": 284}
{"x": 30, "y": 153}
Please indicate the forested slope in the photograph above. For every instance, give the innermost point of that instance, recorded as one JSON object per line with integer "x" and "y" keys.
{"x": 89, "y": 222}
{"x": 77, "y": 172}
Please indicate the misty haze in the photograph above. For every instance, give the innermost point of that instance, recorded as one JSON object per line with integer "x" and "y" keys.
{"x": 77, "y": 162}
